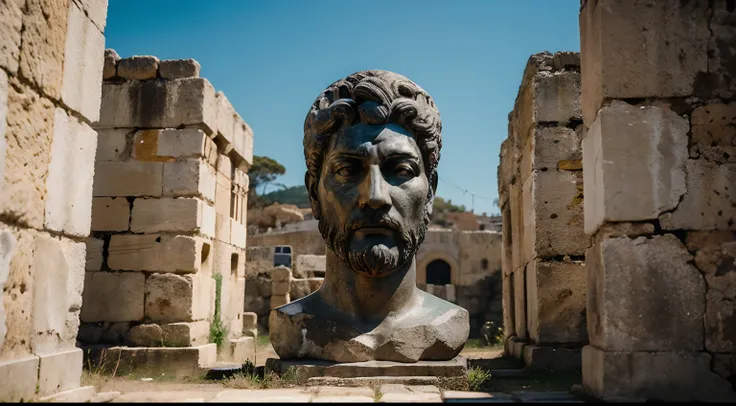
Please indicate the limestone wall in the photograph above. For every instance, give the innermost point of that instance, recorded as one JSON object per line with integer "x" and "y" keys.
{"x": 51, "y": 55}
{"x": 166, "y": 264}
{"x": 301, "y": 241}
{"x": 659, "y": 104}
{"x": 541, "y": 198}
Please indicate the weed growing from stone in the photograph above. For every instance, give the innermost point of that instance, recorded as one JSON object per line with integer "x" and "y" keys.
{"x": 97, "y": 374}
{"x": 477, "y": 377}
{"x": 252, "y": 380}
{"x": 217, "y": 330}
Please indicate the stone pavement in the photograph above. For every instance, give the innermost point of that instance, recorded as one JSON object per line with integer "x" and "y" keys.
{"x": 388, "y": 393}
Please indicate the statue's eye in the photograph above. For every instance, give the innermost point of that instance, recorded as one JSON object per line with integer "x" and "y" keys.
{"x": 404, "y": 170}
{"x": 346, "y": 171}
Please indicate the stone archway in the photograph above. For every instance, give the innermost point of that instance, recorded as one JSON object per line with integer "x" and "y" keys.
{"x": 439, "y": 272}
{"x": 424, "y": 262}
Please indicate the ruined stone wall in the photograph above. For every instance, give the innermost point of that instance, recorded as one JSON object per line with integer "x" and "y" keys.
{"x": 301, "y": 241}
{"x": 541, "y": 198}
{"x": 51, "y": 56}
{"x": 166, "y": 264}
{"x": 659, "y": 154}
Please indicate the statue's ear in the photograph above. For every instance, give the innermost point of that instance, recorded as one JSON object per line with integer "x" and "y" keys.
{"x": 313, "y": 201}
{"x": 434, "y": 183}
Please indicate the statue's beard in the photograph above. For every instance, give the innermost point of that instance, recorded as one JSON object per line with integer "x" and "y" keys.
{"x": 377, "y": 260}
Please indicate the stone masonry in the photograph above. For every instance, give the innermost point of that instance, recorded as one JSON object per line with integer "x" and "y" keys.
{"x": 540, "y": 183}
{"x": 51, "y": 57}
{"x": 166, "y": 260}
{"x": 659, "y": 157}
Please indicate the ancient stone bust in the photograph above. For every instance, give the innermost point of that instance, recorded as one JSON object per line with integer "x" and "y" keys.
{"x": 372, "y": 144}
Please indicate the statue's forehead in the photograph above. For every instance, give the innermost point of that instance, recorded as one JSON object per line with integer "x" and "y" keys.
{"x": 388, "y": 140}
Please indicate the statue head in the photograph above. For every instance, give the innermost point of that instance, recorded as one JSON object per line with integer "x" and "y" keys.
{"x": 372, "y": 144}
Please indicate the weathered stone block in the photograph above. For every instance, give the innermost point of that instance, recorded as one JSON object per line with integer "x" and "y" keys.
{"x": 42, "y": 44}
{"x": 623, "y": 275}
{"x": 175, "y": 103}
{"x": 96, "y": 10}
{"x": 552, "y": 359}
{"x": 710, "y": 199}
{"x": 174, "y": 298}
{"x": 57, "y": 289}
{"x": 186, "y": 334}
{"x": 11, "y": 21}
{"x": 159, "y": 253}
{"x": 714, "y": 133}
{"x": 719, "y": 81}
{"x": 665, "y": 376}
{"x": 30, "y": 122}
{"x": 250, "y": 320}
{"x": 145, "y": 147}
{"x": 84, "y": 62}
{"x": 633, "y": 151}
{"x": 110, "y": 69}
{"x": 112, "y": 145}
{"x": 20, "y": 379}
{"x": 145, "y": 335}
{"x": 112, "y": 297}
{"x": 184, "y": 143}
{"x": 129, "y": 178}
{"x": 303, "y": 287}
{"x": 280, "y": 273}
{"x": 646, "y": 49}
{"x": 166, "y": 214}
{"x": 179, "y": 68}
{"x": 3, "y": 115}
{"x": 59, "y": 371}
{"x": 279, "y": 288}
{"x": 509, "y": 327}
{"x": 94, "y": 254}
{"x": 556, "y": 97}
{"x": 520, "y": 303}
{"x": 277, "y": 301}
{"x": 550, "y": 148}
{"x": 69, "y": 182}
{"x": 306, "y": 266}
{"x": 555, "y": 298}
{"x": 238, "y": 233}
{"x": 517, "y": 226}
{"x": 138, "y": 67}
{"x": 189, "y": 178}
{"x": 110, "y": 214}
{"x": 553, "y": 215}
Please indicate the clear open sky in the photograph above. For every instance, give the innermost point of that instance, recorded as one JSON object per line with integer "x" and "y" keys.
{"x": 272, "y": 58}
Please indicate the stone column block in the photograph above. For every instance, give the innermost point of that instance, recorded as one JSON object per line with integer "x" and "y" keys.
{"x": 83, "y": 64}
{"x": 174, "y": 103}
{"x": 280, "y": 288}
{"x": 555, "y": 299}
{"x": 189, "y": 178}
{"x": 509, "y": 327}
{"x": 110, "y": 214}
{"x": 179, "y": 68}
{"x": 277, "y": 301}
{"x": 160, "y": 253}
{"x": 550, "y": 148}
{"x": 138, "y": 67}
{"x": 520, "y": 303}
{"x": 59, "y": 371}
{"x": 30, "y": 123}
{"x": 42, "y": 44}
{"x": 170, "y": 298}
{"x": 665, "y": 376}
{"x": 113, "y": 296}
{"x": 645, "y": 49}
{"x": 69, "y": 182}
{"x": 633, "y": 151}
{"x": 624, "y": 275}
{"x": 20, "y": 379}
{"x": 710, "y": 202}
{"x": 10, "y": 30}
{"x": 130, "y": 178}
{"x": 237, "y": 234}
{"x": 553, "y": 215}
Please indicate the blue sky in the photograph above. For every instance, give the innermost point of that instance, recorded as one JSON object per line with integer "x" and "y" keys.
{"x": 272, "y": 58}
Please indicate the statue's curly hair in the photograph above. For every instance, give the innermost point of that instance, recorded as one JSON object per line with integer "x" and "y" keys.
{"x": 372, "y": 97}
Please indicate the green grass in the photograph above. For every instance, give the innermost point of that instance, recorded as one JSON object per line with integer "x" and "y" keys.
{"x": 218, "y": 332}
{"x": 251, "y": 380}
{"x": 263, "y": 341}
{"x": 477, "y": 377}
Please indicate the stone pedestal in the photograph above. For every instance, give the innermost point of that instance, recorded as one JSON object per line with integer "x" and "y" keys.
{"x": 176, "y": 362}
{"x": 342, "y": 374}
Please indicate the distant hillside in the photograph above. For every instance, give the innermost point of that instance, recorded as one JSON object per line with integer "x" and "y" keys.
{"x": 296, "y": 195}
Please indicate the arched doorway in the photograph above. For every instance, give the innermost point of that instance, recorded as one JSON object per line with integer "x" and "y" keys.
{"x": 439, "y": 273}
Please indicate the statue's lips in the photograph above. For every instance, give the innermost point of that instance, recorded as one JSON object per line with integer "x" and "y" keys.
{"x": 372, "y": 232}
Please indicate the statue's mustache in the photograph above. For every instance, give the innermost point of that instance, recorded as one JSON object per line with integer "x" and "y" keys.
{"x": 376, "y": 221}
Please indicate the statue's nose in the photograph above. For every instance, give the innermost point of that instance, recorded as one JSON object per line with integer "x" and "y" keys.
{"x": 375, "y": 193}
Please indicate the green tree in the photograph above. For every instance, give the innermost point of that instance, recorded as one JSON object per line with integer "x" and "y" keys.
{"x": 264, "y": 171}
